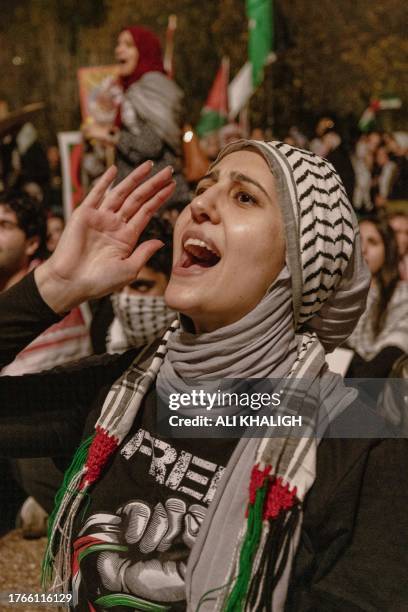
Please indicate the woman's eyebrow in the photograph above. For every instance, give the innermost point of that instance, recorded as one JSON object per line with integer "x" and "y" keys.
{"x": 235, "y": 176}
{"x": 214, "y": 175}
{"x": 243, "y": 178}
{"x": 142, "y": 282}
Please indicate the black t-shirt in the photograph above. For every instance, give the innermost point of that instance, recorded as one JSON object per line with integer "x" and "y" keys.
{"x": 133, "y": 543}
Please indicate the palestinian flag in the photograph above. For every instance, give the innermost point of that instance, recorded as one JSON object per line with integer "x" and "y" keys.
{"x": 240, "y": 90}
{"x": 260, "y": 53}
{"x": 215, "y": 112}
{"x": 260, "y": 43}
{"x": 367, "y": 119}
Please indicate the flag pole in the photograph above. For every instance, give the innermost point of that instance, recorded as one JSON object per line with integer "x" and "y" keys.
{"x": 168, "y": 59}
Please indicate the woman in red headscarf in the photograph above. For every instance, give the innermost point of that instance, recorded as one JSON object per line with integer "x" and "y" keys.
{"x": 148, "y": 122}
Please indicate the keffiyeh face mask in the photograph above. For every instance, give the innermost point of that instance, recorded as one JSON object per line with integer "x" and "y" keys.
{"x": 138, "y": 320}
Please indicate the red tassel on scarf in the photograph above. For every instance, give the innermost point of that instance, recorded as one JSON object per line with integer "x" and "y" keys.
{"x": 102, "y": 447}
{"x": 279, "y": 497}
{"x": 257, "y": 481}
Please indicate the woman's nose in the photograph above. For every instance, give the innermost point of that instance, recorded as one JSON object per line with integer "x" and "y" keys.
{"x": 204, "y": 206}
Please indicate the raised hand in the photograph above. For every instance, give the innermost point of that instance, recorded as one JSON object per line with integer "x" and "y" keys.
{"x": 97, "y": 252}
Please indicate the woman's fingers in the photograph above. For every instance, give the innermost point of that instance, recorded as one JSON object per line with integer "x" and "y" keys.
{"x": 115, "y": 198}
{"x": 95, "y": 196}
{"x": 145, "y": 192}
{"x": 140, "y": 257}
{"x": 131, "y": 193}
{"x": 143, "y": 215}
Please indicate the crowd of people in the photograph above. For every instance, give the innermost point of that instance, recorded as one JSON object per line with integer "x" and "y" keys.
{"x": 373, "y": 170}
{"x": 268, "y": 270}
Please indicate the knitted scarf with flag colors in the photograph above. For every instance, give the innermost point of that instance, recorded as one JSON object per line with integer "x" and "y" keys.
{"x": 118, "y": 414}
{"x": 270, "y": 495}
{"x": 283, "y": 473}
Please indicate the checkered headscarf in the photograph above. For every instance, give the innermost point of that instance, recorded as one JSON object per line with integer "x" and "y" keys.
{"x": 329, "y": 277}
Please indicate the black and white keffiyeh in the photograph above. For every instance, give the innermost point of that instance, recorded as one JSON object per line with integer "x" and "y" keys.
{"x": 138, "y": 321}
{"x": 329, "y": 276}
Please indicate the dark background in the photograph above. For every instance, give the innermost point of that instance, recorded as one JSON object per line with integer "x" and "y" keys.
{"x": 333, "y": 55}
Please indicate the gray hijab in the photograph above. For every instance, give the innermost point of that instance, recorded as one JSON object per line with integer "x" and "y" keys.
{"x": 156, "y": 100}
{"x": 260, "y": 345}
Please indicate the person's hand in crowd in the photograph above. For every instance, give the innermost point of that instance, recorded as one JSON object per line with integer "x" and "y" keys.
{"x": 96, "y": 253}
{"x": 101, "y": 133}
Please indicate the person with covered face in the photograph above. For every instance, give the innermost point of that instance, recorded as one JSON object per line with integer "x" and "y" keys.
{"x": 149, "y": 116}
{"x": 138, "y": 313}
{"x": 267, "y": 276}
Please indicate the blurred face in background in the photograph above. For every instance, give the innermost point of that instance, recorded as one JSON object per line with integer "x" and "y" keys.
{"x": 400, "y": 226}
{"x": 34, "y": 191}
{"x": 126, "y": 54}
{"x": 53, "y": 156}
{"x": 373, "y": 140}
{"x": 55, "y": 227}
{"x": 149, "y": 283}
{"x": 372, "y": 246}
{"x": 381, "y": 156}
{"x": 15, "y": 248}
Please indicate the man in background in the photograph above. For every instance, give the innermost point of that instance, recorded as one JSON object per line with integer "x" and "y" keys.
{"x": 22, "y": 239}
{"x": 22, "y": 236}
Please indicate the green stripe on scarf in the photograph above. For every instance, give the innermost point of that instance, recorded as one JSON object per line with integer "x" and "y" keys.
{"x": 100, "y": 547}
{"x": 236, "y": 599}
{"x": 110, "y": 601}
{"x": 76, "y": 466}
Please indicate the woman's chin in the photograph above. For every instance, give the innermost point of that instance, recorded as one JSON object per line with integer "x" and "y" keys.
{"x": 181, "y": 299}
{"x": 125, "y": 70}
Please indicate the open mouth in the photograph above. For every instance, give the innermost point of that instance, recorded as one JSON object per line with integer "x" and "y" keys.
{"x": 122, "y": 62}
{"x": 197, "y": 252}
